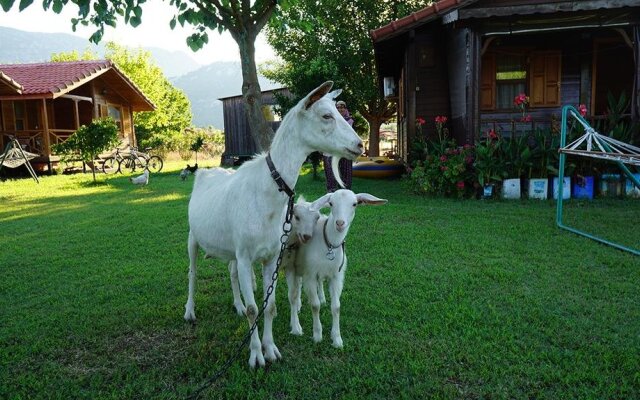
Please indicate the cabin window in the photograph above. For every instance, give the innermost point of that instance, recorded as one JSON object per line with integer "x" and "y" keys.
{"x": 19, "y": 115}
{"x": 505, "y": 75}
{"x": 511, "y": 79}
{"x": 115, "y": 112}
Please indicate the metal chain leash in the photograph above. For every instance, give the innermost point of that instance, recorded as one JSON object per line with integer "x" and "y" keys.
{"x": 284, "y": 238}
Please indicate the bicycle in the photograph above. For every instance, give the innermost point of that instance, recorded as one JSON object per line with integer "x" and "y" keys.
{"x": 116, "y": 163}
{"x": 152, "y": 162}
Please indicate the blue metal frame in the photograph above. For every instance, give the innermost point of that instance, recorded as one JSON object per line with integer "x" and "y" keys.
{"x": 563, "y": 156}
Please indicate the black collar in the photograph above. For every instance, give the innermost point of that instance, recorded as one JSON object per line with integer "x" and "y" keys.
{"x": 282, "y": 185}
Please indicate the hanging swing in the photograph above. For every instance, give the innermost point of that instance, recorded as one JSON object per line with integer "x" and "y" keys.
{"x": 13, "y": 157}
{"x": 592, "y": 144}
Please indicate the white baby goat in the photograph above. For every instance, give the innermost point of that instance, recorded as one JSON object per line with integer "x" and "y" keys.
{"x": 239, "y": 216}
{"x": 324, "y": 257}
{"x": 304, "y": 221}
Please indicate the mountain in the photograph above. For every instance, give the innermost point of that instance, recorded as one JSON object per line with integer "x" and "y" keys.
{"x": 19, "y": 46}
{"x": 206, "y": 85}
{"x": 203, "y": 85}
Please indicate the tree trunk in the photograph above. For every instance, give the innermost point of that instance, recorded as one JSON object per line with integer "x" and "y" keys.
{"x": 261, "y": 131}
{"x": 374, "y": 137}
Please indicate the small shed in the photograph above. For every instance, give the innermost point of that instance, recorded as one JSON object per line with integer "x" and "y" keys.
{"x": 468, "y": 59}
{"x": 238, "y": 142}
{"x": 42, "y": 104}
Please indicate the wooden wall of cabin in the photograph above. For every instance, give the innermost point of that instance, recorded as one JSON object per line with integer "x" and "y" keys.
{"x": 577, "y": 72}
{"x": 105, "y": 101}
{"x": 432, "y": 78}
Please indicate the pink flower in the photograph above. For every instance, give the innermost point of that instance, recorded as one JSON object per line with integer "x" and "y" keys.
{"x": 441, "y": 119}
{"x": 420, "y": 121}
{"x": 467, "y": 146}
{"x": 460, "y": 185}
{"x": 492, "y": 134}
{"x": 468, "y": 160}
{"x": 582, "y": 109}
{"x": 521, "y": 99}
{"x": 443, "y": 158}
{"x": 526, "y": 118}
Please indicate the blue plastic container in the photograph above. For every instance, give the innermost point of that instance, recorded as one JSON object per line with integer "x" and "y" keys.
{"x": 583, "y": 188}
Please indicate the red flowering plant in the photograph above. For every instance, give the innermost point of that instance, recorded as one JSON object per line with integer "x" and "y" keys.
{"x": 489, "y": 163}
{"x": 521, "y": 102}
{"x": 446, "y": 169}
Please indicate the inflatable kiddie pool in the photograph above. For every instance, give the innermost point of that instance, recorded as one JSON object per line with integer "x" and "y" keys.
{"x": 377, "y": 167}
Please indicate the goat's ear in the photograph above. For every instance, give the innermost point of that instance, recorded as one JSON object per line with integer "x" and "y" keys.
{"x": 317, "y": 94}
{"x": 321, "y": 202}
{"x": 334, "y": 94}
{"x": 366, "y": 198}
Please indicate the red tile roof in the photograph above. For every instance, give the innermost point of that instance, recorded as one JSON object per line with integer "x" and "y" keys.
{"x": 417, "y": 18}
{"x": 53, "y": 79}
{"x": 8, "y": 85}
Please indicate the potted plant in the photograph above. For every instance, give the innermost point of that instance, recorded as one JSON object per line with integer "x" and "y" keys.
{"x": 518, "y": 161}
{"x": 488, "y": 164}
{"x": 538, "y": 172}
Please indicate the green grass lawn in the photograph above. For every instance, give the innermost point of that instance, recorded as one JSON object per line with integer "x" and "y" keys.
{"x": 443, "y": 299}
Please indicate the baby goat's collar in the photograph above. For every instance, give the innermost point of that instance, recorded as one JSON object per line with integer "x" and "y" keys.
{"x": 330, "y": 254}
{"x": 282, "y": 185}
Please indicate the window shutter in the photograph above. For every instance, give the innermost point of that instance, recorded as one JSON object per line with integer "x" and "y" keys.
{"x": 545, "y": 79}
{"x": 488, "y": 82}
{"x": 7, "y": 113}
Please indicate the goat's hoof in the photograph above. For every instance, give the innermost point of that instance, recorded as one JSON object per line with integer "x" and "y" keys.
{"x": 296, "y": 330}
{"x": 317, "y": 338}
{"x": 190, "y": 314}
{"x": 256, "y": 359}
{"x": 271, "y": 352}
{"x": 240, "y": 310}
{"x": 337, "y": 343}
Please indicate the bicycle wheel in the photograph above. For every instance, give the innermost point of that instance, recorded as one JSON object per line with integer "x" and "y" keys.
{"x": 154, "y": 164}
{"x": 110, "y": 165}
{"x": 132, "y": 165}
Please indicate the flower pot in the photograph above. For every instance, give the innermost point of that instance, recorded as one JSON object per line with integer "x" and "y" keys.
{"x": 511, "y": 188}
{"x": 610, "y": 185}
{"x": 566, "y": 188}
{"x": 583, "y": 187}
{"x": 631, "y": 189}
{"x": 488, "y": 191}
{"x": 538, "y": 188}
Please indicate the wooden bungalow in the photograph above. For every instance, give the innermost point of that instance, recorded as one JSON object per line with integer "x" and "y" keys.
{"x": 468, "y": 59}
{"x": 42, "y": 104}
{"x": 238, "y": 142}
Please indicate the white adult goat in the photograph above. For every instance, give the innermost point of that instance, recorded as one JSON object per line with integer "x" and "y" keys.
{"x": 302, "y": 226}
{"x": 240, "y": 216}
{"x": 324, "y": 257}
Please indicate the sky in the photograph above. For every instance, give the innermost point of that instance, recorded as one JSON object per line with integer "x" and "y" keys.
{"x": 154, "y": 31}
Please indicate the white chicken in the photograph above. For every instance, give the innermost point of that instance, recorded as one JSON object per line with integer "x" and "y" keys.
{"x": 142, "y": 179}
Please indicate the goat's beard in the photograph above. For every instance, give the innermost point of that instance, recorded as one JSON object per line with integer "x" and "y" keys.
{"x": 336, "y": 171}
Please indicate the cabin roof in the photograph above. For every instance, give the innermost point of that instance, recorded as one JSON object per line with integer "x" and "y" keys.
{"x": 486, "y": 9}
{"x": 54, "y": 79}
{"x": 8, "y": 85}
{"x": 419, "y": 17}
{"x": 238, "y": 96}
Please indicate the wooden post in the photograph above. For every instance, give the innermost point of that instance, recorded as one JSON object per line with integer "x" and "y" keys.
{"x": 45, "y": 133}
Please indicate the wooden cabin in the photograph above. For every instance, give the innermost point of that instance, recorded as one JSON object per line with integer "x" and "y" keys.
{"x": 238, "y": 142}
{"x": 468, "y": 59}
{"x": 42, "y": 104}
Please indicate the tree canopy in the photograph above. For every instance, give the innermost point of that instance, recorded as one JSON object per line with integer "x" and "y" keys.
{"x": 243, "y": 19}
{"x": 163, "y": 126}
{"x": 329, "y": 40}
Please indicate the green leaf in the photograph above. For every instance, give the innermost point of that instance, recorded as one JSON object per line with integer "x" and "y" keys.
{"x": 137, "y": 10}
{"x": 172, "y": 24}
{"x": 57, "y": 6}
{"x": 24, "y": 4}
{"x": 135, "y": 21}
{"x": 6, "y": 4}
